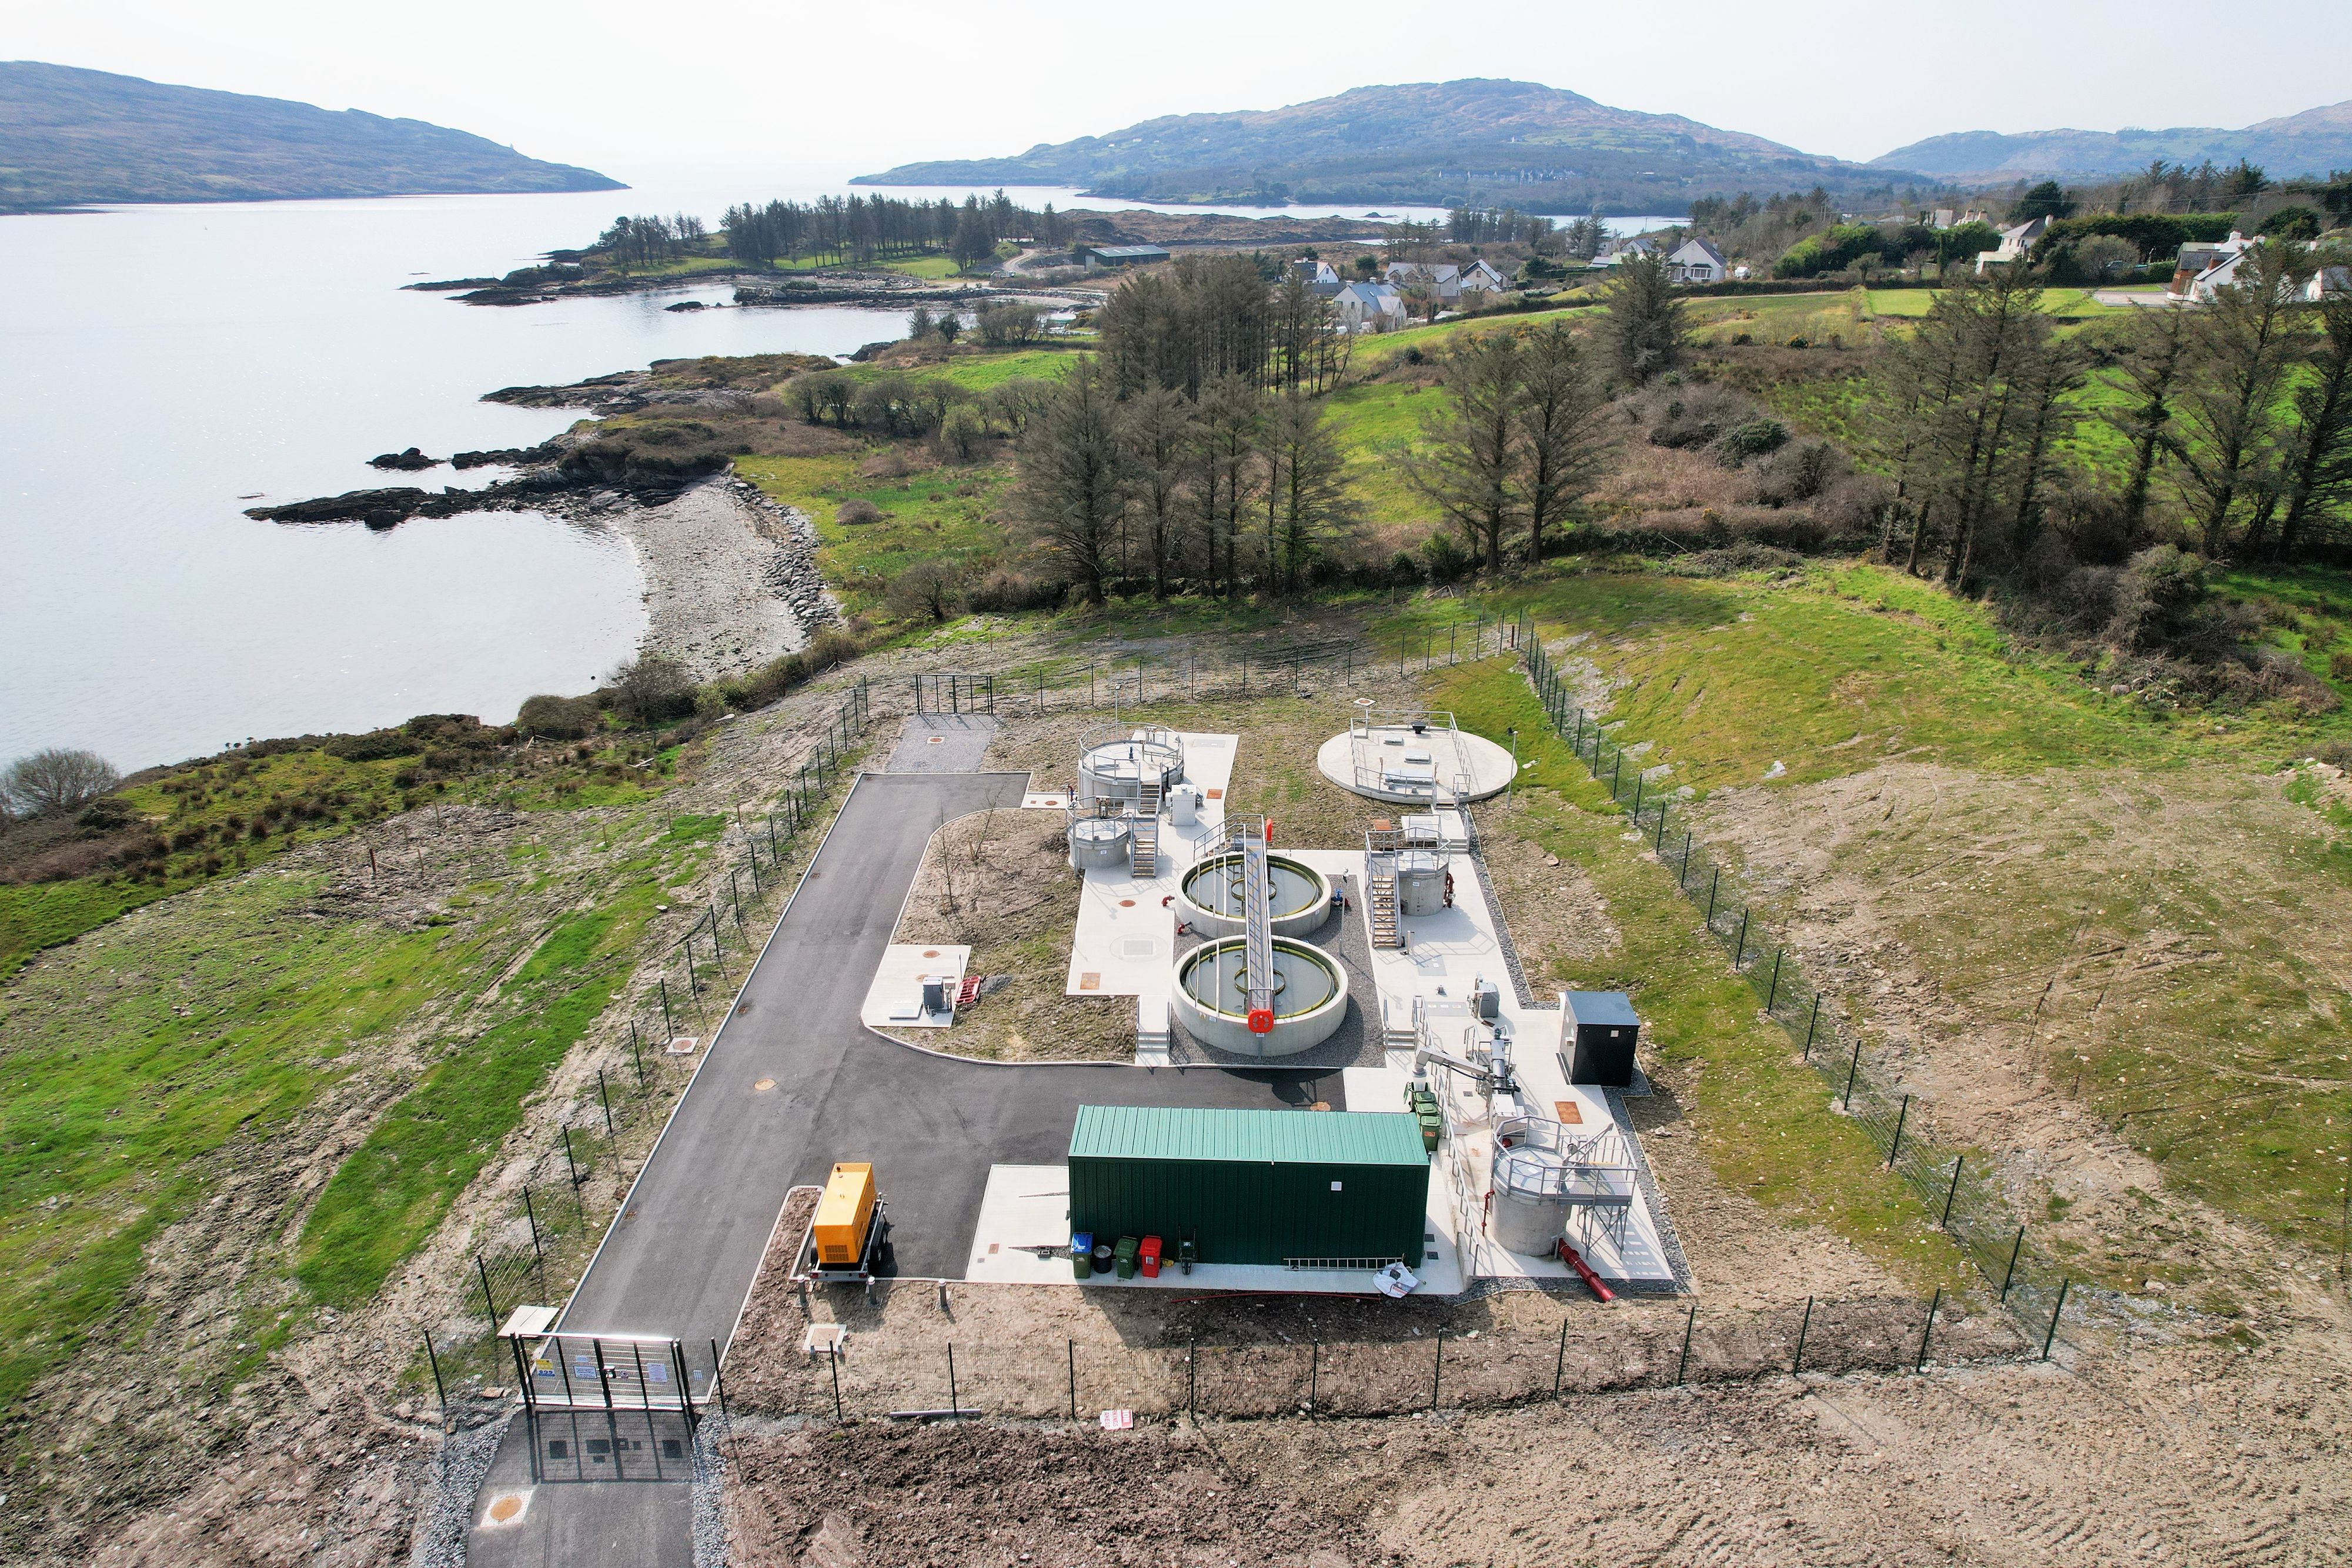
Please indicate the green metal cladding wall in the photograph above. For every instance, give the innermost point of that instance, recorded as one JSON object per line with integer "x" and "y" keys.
{"x": 1252, "y": 1186}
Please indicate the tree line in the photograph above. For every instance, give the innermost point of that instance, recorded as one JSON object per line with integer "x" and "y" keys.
{"x": 1193, "y": 445}
{"x": 649, "y": 240}
{"x": 2238, "y": 411}
{"x": 1203, "y": 319}
{"x": 860, "y": 228}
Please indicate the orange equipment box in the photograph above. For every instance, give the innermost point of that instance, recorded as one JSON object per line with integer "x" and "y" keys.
{"x": 844, "y": 1216}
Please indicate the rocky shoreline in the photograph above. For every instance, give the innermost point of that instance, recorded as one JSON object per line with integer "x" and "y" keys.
{"x": 731, "y": 578}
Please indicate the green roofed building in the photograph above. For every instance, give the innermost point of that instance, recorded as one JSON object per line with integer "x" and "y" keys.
{"x": 1254, "y": 1186}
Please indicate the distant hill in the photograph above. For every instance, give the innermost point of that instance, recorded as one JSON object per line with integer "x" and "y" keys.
{"x": 71, "y": 136}
{"x": 1479, "y": 142}
{"x": 2317, "y": 142}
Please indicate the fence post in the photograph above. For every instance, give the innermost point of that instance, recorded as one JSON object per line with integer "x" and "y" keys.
{"x": 2015, "y": 1248}
{"x": 572, "y": 1163}
{"x": 440, "y": 1389}
{"x": 636, "y": 1055}
{"x": 1896, "y": 1147}
{"x": 1193, "y": 1377}
{"x": 1803, "y": 1328}
{"x": 1952, "y": 1192}
{"x": 1559, "y": 1362}
{"x": 1739, "y": 949}
{"x": 669, "y": 1028}
{"x": 1713, "y": 883}
{"x": 1852, "y": 1070}
{"x": 1683, "y": 1366}
{"x": 606, "y": 1096}
{"x": 488, "y": 1300}
{"x": 1927, "y": 1328}
{"x": 1073, "y": 1346}
{"x": 1682, "y": 877}
{"x": 1637, "y": 796}
{"x": 832, "y": 1359}
{"x": 2055, "y": 1313}
{"x": 1437, "y": 1374}
{"x": 1615, "y": 769}
{"x": 1810, "y": 1023}
{"x": 1772, "y": 992}
{"x": 532, "y": 1214}
{"x": 955, "y": 1405}
{"x": 1660, "y": 847}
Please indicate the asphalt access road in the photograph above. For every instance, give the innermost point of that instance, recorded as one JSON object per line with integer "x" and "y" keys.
{"x": 681, "y": 1258}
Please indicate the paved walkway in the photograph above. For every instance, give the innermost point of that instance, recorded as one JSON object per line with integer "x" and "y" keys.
{"x": 681, "y": 1258}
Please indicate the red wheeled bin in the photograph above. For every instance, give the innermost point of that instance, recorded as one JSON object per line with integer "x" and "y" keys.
{"x": 1150, "y": 1257}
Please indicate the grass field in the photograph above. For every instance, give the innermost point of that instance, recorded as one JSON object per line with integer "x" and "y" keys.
{"x": 2129, "y": 883}
{"x": 937, "y": 515}
{"x": 214, "y": 820}
{"x": 387, "y": 1197}
{"x": 202, "y": 1029}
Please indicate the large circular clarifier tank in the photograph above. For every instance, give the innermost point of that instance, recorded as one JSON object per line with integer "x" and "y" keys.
{"x": 1310, "y": 997}
{"x": 1208, "y": 899}
{"x": 1101, "y": 843}
{"x": 1115, "y": 765}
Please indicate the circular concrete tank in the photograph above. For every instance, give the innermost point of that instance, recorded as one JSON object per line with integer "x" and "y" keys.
{"x": 1208, "y": 899}
{"x": 1115, "y": 765}
{"x": 1421, "y": 882}
{"x": 1101, "y": 843}
{"x": 1310, "y": 998}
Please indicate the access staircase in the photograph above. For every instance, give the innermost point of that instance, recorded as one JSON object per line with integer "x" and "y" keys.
{"x": 1151, "y": 1036}
{"x": 1144, "y": 851}
{"x": 1380, "y": 888}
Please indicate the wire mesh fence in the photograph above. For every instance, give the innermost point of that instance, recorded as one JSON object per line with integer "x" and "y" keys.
{"x": 534, "y": 1250}
{"x": 884, "y": 1373}
{"x": 1956, "y": 1188}
{"x": 1189, "y": 671}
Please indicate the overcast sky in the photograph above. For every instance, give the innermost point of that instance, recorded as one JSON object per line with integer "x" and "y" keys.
{"x": 839, "y": 88}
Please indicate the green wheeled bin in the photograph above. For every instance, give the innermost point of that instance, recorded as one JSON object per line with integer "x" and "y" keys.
{"x": 1123, "y": 1257}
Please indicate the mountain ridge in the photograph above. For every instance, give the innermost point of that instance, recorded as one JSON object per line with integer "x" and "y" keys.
{"x": 71, "y": 136}
{"x": 2314, "y": 142}
{"x": 1483, "y": 141}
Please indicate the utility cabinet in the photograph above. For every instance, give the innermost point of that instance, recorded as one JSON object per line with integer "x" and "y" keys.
{"x": 1598, "y": 1031}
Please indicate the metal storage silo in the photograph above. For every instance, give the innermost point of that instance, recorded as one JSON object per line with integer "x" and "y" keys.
{"x": 1101, "y": 843}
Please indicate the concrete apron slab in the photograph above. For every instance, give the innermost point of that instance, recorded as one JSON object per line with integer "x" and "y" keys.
{"x": 895, "y": 1000}
{"x": 1024, "y": 1238}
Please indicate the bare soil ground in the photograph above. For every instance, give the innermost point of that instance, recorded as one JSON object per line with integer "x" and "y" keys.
{"x": 2192, "y": 1454}
{"x": 1000, "y": 883}
{"x": 2127, "y": 990}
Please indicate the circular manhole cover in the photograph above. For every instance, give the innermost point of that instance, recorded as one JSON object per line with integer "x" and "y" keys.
{"x": 931, "y": 951}
{"x": 1126, "y": 904}
{"x": 764, "y": 1085}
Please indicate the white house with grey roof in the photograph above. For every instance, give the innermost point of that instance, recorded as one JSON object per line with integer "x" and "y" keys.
{"x": 1369, "y": 307}
{"x": 1480, "y": 278}
{"x": 1697, "y": 261}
